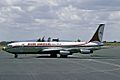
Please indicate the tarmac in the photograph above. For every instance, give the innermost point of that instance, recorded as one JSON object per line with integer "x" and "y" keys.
{"x": 101, "y": 65}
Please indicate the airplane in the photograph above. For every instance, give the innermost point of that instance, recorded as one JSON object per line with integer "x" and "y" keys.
{"x": 53, "y": 48}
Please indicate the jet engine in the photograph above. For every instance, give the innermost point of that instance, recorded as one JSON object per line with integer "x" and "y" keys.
{"x": 64, "y": 52}
{"x": 85, "y": 51}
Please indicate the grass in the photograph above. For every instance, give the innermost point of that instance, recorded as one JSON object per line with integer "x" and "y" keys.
{"x": 112, "y": 44}
{"x": 1, "y": 46}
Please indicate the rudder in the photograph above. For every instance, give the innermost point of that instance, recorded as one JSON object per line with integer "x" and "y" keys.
{"x": 98, "y": 34}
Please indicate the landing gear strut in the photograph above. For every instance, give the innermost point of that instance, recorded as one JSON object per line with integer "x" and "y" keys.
{"x": 16, "y": 56}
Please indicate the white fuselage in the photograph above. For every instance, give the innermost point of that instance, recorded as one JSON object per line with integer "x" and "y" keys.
{"x": 35, "y": 47}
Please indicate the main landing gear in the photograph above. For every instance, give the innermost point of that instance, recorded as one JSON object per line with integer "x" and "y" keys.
{"x": 53, "y": 55}
{"x": 16, "y": 56}
{"x": 63, "y": 56}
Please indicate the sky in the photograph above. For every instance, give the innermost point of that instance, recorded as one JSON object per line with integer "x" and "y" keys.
{"x": 63, "y": 19}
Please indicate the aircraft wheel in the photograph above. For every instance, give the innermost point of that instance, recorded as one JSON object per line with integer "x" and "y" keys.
{"x": 63, "y": 56}
{"x": 16, "y": 56}
{"x": 91, "y": 51}
{"x": 53, "y": 55}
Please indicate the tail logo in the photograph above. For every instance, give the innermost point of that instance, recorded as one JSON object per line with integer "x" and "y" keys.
{"x": 98, "y": 34}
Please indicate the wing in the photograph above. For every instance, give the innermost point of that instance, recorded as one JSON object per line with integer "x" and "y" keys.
{"x": 82, "y": 50}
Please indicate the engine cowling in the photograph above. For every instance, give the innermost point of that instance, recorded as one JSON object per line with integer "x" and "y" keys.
{"x": 85, "y": 51}
{"x": 65, "y": 52}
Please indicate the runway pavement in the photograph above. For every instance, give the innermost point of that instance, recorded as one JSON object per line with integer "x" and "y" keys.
{"x": 101, "y": 65}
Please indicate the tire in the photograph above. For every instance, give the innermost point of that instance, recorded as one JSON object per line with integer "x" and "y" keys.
{"x": 53, "y": 55}
{"x": 63, "y": 56}
{"x": 16, "y": 56}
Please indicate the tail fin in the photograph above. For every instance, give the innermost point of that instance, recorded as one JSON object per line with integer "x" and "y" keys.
{"x": 98, "y": 34}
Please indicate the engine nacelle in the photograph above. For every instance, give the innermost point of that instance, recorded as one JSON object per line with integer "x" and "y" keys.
{"x": 65, "y": 52}
{"x": 85, "y": 51}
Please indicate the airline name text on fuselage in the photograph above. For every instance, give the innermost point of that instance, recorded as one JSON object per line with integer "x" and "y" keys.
{"x": 42, "y": 44}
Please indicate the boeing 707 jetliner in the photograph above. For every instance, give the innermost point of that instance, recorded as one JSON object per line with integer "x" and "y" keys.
{"x": 53, "y": 48}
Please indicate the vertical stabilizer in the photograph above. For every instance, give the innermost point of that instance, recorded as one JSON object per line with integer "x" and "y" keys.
{"x": 98, "y": 34}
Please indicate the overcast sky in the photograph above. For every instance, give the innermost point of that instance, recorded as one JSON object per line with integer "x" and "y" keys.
{"x": 64, "y": 19}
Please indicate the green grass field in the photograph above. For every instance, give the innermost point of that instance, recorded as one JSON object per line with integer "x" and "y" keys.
{"x": 112, "y": 44}
{"x": 1, "y": 47}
